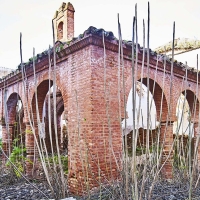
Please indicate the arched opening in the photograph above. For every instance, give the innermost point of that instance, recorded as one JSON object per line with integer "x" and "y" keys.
{"x": 60, "y": 31}
{"x": 61, "y": 122}
{"x": 15, "y": 114}
{"x": 15, "y": 130}
{"x": 187, "y": 112}
{"x": 49, "y": 132}
{"x": 157, "y": 114}
{"x": 159, "y": 99}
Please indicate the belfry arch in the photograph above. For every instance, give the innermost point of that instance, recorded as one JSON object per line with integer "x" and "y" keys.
{"x": 60, "y": 31}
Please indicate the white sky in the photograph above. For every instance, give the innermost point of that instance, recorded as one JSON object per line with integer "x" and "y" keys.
{"x": 33, "y": 19}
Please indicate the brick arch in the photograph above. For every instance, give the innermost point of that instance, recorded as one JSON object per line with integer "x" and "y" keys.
{"x": 59, "y": 111}
{"x": 59, "y": 103}
{"x": 191, "y": 99}
{"x": 11, "y": 106}
{"x": 60, "y": 106}
{"x": 40, "y": 79}
{"x": 157, "y": 96}
{"x": 42, "y": 90}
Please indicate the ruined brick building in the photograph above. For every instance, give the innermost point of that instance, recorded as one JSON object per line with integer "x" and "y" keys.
{"x": 92, "y": 114}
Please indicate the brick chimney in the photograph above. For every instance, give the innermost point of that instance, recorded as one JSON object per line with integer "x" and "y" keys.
{"x": 64, "y": 22}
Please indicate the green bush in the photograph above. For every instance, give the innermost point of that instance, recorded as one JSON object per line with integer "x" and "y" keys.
{"x": 17, "y": 157}
{"x": 64, "y": 161}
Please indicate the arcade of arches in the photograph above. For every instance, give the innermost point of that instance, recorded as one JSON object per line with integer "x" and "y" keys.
{"x": 80, "y": 99}
{"x": 83, "y": 105}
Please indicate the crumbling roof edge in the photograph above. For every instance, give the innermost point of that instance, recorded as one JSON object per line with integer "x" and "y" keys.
{"x": 67, "y": 47}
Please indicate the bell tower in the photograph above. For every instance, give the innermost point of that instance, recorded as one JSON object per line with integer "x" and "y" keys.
{"x": 64, "y": 22}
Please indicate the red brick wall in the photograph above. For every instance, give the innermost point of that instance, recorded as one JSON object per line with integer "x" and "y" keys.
{"x": 70, "y": 22}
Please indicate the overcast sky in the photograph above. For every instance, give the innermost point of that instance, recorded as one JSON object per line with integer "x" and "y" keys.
{"x": 33, "y": 19}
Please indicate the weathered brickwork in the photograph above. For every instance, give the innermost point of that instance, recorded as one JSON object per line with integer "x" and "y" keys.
{"x": 63, "y": 22}
{"x": 89, "y": 88}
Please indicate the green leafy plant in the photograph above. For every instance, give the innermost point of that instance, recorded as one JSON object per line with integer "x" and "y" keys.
{"x": 64, "y": 161}
{"x": 59, "y": 48}
{"x": 31, "y": 59}
{"x": 17, "y": 157}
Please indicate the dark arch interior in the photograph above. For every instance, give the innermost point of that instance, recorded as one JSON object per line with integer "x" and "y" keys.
{"x": 60, "y": 31}
{"x": 193, "y": 104}
{"x": 43, "y": 95}
{"x": 42, "y": 91}
{"x": 15, "y": 113}
{"x": 11, "y": 107}
{"x": 62, "y": 133}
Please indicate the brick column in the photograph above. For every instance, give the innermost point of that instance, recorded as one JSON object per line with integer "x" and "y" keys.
{"x": 31, "y": 152}
{"x": 7, "y": 139}
{"x": 196, "y": 135}
{"x": 166, "y": 136}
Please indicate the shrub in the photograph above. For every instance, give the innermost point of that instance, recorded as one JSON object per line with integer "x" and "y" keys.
{"x": 17, "y": 157}
{"x": 64, "y": 161}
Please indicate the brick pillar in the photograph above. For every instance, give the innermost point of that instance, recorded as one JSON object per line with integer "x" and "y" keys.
{"x": 59, "y": 133}
{"x": 7, "y": 139}
{"x": 31, "y": 152}
{"x": 166, "y": 136}
{"x": 196, "y": 135}
{"x": 70, "y": 21}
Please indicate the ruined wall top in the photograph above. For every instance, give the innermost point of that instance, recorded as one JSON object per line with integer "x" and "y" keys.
{"x": 93, "y": 36}
{"x": 181, "y": 45}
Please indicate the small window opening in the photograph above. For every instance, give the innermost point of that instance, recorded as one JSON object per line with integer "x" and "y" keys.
{"x": 60, "y": 31}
